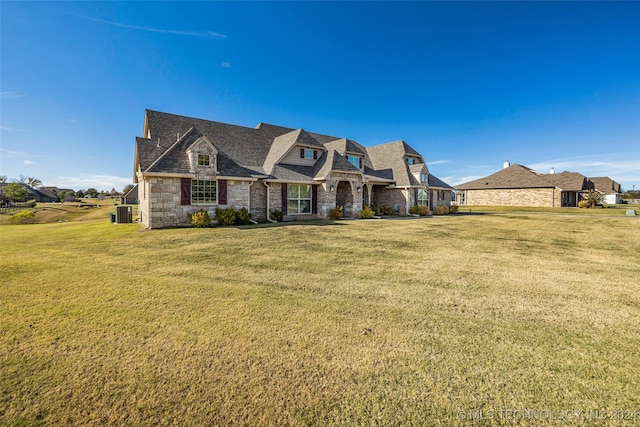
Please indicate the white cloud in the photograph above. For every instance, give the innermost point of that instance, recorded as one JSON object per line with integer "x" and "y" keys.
{"x": 12, "y": 154}
{"x": 98, "y": 181}
{"x": 11, "y": 95}
{"x": 438, "y": 162}
{"x": 225, "y": 64}
{"x": 27, "y": 162}
{"x": 212, "y": 34}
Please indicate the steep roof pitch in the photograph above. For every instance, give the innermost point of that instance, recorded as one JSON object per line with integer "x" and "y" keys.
{"x": 435, "y": 182}
{"x": 282, "y": 144}
{"x": 344, "y": 145}
{"x": 392, "y": 156}
{"x": 514, "y": 176}
{"x": 332, "y": 160}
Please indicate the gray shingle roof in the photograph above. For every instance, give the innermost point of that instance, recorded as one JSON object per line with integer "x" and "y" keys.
{"x": 515, "y": 176}
{"x": 245, "y": 152}
{"x": 605, "y": 185}
{"x": 435, "y": 182}
{"x": 567, "y": 181}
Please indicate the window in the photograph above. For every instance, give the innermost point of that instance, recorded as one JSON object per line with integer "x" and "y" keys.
{"x": 308, "y": 154}
{"x": 355, "y": 161}
{"x": 410, "y": 161}
{"x": 203, "y": 192}
{"x": 298, "y": 199}
{"x": 203, "y": 160}
{"x": 423, "y": 178}
{"x": 423, "y": 197}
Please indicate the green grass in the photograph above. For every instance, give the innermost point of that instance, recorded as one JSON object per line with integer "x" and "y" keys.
{"x": 393, "y": 322}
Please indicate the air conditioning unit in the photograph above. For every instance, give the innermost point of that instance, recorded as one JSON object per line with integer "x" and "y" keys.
{"x": 124, "y": 214}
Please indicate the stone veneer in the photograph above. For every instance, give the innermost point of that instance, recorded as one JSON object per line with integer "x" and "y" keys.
{"x": 163, "y": 193}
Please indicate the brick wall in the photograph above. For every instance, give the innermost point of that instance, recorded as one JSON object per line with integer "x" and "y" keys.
{"x": 540, "y": 197}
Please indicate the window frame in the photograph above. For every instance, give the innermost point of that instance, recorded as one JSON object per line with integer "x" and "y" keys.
{"x": 298, "y": 200}
{"x": 201, "y": 192}
{"x": 204, "y": 159}
{"x": 357, "y": 159}
{"x": 422, "y": 201}
{"x": 308, "y": 154}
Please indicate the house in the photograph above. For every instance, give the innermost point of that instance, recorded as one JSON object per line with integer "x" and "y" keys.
{"x": 517, "y": 185}
{"x": 130, "y": 197}
{"x": 441, "y": 193}
{"x": 183, "y": 164}
{"x": 39, "y": 195}
{"x": 610, "y": 190}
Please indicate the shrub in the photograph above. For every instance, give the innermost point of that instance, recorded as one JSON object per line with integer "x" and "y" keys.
{"x": 30, "y": 204}
{"x": 441, "y": 210}
{"x": 226, "y": 216}
{"x": 424, "y": 210}
{"x": 23, "y": 217}
{"x": 366, "y": 212}
{"x": 387, "y": 210}
{"x": 584, "y": 204}
{"x": 376, "y": 209}
{"x": 276, "y": 215}
{"x": 243, "y": 216}
{"x": 199, "y": 218}
{"x": 414, "y": 210}
{"x": 453, "y": 209}
{"x": 336, "y": 213}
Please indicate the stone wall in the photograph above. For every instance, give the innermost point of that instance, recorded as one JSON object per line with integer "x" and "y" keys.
{"x": 160, "y": 204}
{"x": 258, "y": 194}
{"x": 538, "y": 197}
{"x": 394, "y": 197}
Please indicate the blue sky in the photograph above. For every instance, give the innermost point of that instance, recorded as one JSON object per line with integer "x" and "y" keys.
{"x": 468, "y": 84}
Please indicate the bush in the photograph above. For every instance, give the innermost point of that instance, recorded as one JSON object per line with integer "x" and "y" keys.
{"x": 366, "y": 212}
{"x": 199, "y": 218}
{"x": 30, "y": 204}
{"x": 414, "y": 210}
{"x": 276, "y": 215}
{"x": 23, "y": 217}
{"x": 387, "y": 210}
{"x": 453, "y": 209}
{"x": 584, "y": 204}
{"x": 226, "y": 216}
{"x": 424, "y": 210}
{"x": 243, "y": 216}
{"x": 441, "y": 210}
{"x": 336, "y": 213}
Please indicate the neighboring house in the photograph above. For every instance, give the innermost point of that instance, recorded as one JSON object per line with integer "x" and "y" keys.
{"x": 517, "y": 185}
{"x": 130, "y": 197}
{"x": 184, "y": 164}
{"x": 441, "y": 193}
{"x": 39, "y": 195}
{"x": 610, "y": 190}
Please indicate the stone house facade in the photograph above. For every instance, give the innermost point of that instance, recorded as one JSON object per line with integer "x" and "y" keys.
{"x": 183, "y": 164}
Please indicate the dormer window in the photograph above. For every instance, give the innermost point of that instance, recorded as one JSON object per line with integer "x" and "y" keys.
{"x": 355, "y": 161}
{"x": 306, "y": 153}
{"x": 204, "y": 160}
{"x": 411, "y": 160}
{"x": 423, "y": 177}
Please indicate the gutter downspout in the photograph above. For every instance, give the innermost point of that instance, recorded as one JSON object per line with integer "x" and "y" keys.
{"x": 266, "y": 184}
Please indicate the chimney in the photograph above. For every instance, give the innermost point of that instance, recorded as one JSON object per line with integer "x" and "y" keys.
{"x": 552, "y": 171}
{"x": 506, "y": 164}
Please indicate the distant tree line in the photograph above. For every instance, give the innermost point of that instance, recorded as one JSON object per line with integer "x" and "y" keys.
{"x": 15, "y": 191}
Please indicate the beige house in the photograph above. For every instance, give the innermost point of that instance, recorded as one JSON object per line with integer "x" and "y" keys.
{"x": 517, "y": 185}
{"x": 183, "y": 164}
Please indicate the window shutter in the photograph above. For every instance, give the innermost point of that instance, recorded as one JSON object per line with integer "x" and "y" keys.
{"x": 222, "y": 191}
{"x": 415, "y": 197}
{"x": 360, "y": 162}
{"x": 302, "y": 153}
{"x": 283, "y": 193}
{"x": 315, "y": 154}
{"x": 185, "y": 191}
{"x": 314, "y": 199}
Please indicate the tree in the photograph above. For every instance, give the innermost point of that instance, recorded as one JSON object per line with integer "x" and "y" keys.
{"x": 61, "y": 195}
{"x": 79, "y": 194}
{"x": 16, "y": 192}
{"x": 593, "y": 198}
{"x": 126, "y": 189}
{"x": 33, "y": 182}
{"x": 3, "y": 179}
{"x": 91, "y": 192}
